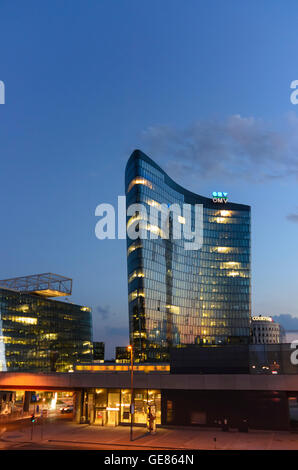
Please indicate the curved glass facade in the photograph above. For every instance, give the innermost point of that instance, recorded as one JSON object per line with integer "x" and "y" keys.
{"x": 179, "y": 296}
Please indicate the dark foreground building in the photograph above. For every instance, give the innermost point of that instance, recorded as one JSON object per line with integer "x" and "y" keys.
{"x": 180, "y": 296}
{"x": 248, "y": 385}
{"x": 262, "y": 401}
{"x": 38, "y": 333}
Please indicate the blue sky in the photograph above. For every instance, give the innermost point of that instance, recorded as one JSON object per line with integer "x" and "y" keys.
{"x": 87, "y": 82}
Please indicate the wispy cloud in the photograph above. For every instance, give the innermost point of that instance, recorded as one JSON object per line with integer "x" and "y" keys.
{"x": 289, "y": 322}
{"x": 235, "y": 147}
{"x": 104, "y": 312}
{"x": 293, "y": 217}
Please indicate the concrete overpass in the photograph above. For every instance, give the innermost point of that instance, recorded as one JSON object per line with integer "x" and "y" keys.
{"x": 161, "y": 381}
{"x": 182, "y": 399}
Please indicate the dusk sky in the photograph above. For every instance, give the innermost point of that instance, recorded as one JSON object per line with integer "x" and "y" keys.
{"x": 202, "y": 87}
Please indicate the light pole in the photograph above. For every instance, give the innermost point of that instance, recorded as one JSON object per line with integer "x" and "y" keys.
{"x": 130, "y": 348}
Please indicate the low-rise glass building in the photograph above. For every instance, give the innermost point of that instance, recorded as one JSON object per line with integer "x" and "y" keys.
{"x": 41, "y": 334}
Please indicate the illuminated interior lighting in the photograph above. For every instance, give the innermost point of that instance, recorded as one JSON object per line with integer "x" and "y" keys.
{"x": 139, "y": 180}
{"x": 153, "y": 203}
{"x": 230, "y": 264}
{"x": 54, "y": 401}
{"x": 50, "y": 293}
{"x": 173, "y": 309}
{"x": 133, "y": 219}
{"x": 136, "y": 293}
{"x": 133, "y": 247}
{"x": 135, "y": 274}
{"x": 24, "y": 320}
{"x": 50, "y": 336}
{"x": 23, "y": 308}
{"x": 123, "y": 368}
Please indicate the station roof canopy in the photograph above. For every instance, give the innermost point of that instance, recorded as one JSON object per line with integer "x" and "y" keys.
{"x": 46, "y": 285}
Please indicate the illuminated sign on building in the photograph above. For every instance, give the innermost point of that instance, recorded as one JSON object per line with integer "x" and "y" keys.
{"x": 219, "y": 196}
{"x": 260, "y": 318}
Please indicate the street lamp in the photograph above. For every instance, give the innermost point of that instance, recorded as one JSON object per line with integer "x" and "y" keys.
{"x": 130, "y": 348}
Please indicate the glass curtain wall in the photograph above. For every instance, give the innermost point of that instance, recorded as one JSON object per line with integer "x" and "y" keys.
{"x": 178, "y": 297}
{"x": 39, "y": 334}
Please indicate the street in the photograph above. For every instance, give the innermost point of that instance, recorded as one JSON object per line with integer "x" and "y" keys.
{"x": 59, "y": 432}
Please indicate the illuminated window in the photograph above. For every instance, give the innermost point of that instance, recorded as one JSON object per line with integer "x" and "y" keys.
{"x": 25, "y": 320}
{"x": 139, "y": 334}
{"x": 225, "y": 213}
{"x": 135, "y": 274}
{"x": 134, "y": 246}
{"x": 133, "y": 219}
{"x": 153, "y": 203}
{"x": 233, "y": 273}
{"x": 136, "y": 293}
{"x": 156, "y": 229}
{"x": 230, "y": 264}
{"x": 219, "y": 220}
{"x": 139, "y": 180}
{"x": 223, "y": 249}
{"x": 50, "y": 336}
{"x": 173, "y": 309}
{"x": 23, "y": 308}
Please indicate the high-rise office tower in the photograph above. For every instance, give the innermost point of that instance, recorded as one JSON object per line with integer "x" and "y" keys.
{"x": 180, "y": 296}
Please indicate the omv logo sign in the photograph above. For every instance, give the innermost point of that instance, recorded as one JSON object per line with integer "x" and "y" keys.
{"x": 2, "y": 92}
{"x": 219, "y": 196}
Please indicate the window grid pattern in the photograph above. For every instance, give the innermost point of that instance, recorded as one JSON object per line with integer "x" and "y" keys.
{"x": 179, "y": 297}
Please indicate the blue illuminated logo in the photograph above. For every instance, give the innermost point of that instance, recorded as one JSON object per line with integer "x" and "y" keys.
{"x": 219, "y": 196}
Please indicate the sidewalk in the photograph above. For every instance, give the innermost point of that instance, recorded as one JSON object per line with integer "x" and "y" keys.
{"x": 165, "y": 438}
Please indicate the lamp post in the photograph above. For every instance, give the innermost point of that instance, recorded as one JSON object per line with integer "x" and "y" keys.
{"x": 130, "y": 348}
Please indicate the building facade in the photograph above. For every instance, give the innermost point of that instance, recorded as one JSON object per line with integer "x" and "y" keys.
{"x": 266, "y": 331}
{"x": 122, "y": 354}
{"x": 98, "y": 351}
{"x": 180, "y": 296}
{"x": 41, "y": 334}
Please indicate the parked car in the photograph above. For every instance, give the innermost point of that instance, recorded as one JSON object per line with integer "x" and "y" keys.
{"x": 67, "y": 409}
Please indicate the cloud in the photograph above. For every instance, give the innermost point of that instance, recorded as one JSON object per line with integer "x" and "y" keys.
{"x": 104, "y": 312}
{"x": 293, "y": 217}
{"x": 232, "y": 148}
{"x": 287, "y": 321}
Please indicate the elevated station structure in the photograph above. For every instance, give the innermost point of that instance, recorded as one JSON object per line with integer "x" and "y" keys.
{"x": 46, "y": 284}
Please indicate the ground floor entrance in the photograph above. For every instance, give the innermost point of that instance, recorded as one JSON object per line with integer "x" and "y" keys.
{"x": 111, "y": 407}
{"x": 226, "y": 409}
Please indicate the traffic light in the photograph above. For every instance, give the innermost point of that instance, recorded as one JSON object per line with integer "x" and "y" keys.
{"x": 33, "y": 419}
